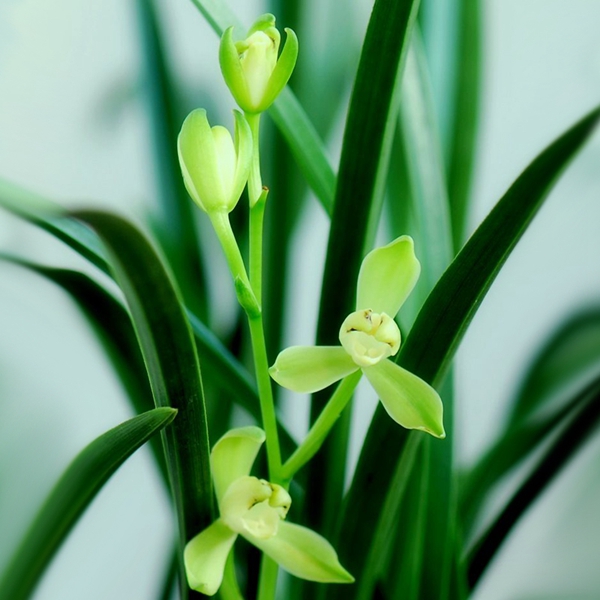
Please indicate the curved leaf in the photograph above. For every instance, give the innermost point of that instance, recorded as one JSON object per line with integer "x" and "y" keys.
{"x": 77, "y": 487}
{"x": 169, "y": 352}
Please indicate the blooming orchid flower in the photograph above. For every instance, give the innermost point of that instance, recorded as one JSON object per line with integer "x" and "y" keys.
{"x": 254, "y": 509}
{"x": 252, "y": 69}
{"x": 368, "y": 337}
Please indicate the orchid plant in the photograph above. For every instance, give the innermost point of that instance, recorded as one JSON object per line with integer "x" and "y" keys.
{"x": 401, "y": 284}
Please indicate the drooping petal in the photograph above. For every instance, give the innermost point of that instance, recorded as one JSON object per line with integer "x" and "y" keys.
{"x": 408, "y": 399}
{"x": 233, "y": 455}
{"x": 205, "y": 556}
{"x": 304, "y": 553}
{"x": 308, "y": 369}
{"x": 387, "y": 276}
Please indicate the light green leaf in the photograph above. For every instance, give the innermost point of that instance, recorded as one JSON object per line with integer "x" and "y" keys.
{"x": 307, "y": 369}
{"x": 387, "y": 276}
{"x": 71, "y": 495}
{"x": 233, "y": 456}
{"x": 408, "y": 399}
{"x": 205, "y": 557}
{"x": 304, "y": 553}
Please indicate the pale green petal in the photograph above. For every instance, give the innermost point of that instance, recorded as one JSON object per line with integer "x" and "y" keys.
{"x": 308, "y": 369}
{"x": 233, "y": 73}
{"x": 304, "y": 553}
{"x": 408, "y": 399}
{"x": 283, "y": 69}
{"x": 387, "y": 276}
{"x": 243, "y": 149}
{"x": 205, "y": 556}
{"x": 233, "y": 455}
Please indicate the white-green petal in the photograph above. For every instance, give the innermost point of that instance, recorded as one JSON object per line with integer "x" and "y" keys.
{"x": 304, "y": 553}
{"x": 387, "y": 276}
{"x": 308, "y": 369}
{"x": 408, "y": 399}
{"x": 243, "y": 150}
{"x": 233, "y": 456}
{"x": 205, "y": 556}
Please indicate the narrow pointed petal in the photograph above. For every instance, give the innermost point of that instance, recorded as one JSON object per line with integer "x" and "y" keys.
{"x": 304, "y": 553}
{"x": 243, "y": 149}
{"x": 408, "y": 399}
{"x": 205, "y": 556}
{"x": 387, "y": 276}
{"x": 308, "y": 369}
{"x": 283, "y": 69}
{"x": 233, "y": 456}
{"x": 231, "y": 68}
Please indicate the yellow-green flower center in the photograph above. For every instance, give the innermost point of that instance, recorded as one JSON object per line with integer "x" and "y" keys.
{"x": 258, "y": 59}
{"x": 254, "y": 506}
{"x": 369, "y": 337}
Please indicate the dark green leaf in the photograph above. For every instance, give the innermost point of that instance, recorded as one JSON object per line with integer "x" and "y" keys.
{"x": 367, "y": 130}
{"x": 169, "y": 352}
{"x": 445, "y": 317}
{"x": 570, "y": 440}
{"x": 78, "y": 486}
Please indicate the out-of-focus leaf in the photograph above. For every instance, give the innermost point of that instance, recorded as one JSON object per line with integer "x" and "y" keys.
{"x": 112, "y": 325}
{"x": 567, "y": 444}
{"x": 571, "y": 355}
{"x": 368, "y": 128}
{"x": 54, "y": 219}
{"x": 288, "y": 115}
{"x": 175, "y": 224}
{"x": 567, "y": 364}
{"x": 169, "y": 352}
{"x": 71, "y": 495}
{"x": 444, "y": 319}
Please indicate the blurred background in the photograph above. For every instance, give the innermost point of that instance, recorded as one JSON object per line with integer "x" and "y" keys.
{"x": 74, "y": 126}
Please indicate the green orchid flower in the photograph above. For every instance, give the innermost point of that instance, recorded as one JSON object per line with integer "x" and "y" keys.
{"x": 254, "y": 509}
{"x": 252, "y": 69}
{"x": 215, "y": 167}
{"x": 368, "y": 337}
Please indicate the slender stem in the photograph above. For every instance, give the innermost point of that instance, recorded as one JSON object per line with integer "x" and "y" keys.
{"x": 318, "y": 432}
{"x": 268, "y": 578}
{"x": 254, "y": 180}
{"x": 222, "y": 227}
{"x": 257, "y": 213}
{"x": 265, "y": 394}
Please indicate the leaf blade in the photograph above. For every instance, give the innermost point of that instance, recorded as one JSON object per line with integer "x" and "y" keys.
{"x": 77, "y": 487}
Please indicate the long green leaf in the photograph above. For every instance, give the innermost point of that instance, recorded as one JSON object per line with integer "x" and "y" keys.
{"x": 170, "y": 355}
{"x": 51, "y": 217}
{"x": 77, "y": 487}
{"x": 445, "y": 317}
{"x": 367, "y": 130}
{"x": 290, "y": 118}
{"x": 175, "y": 223}
{"x": 572, "y": 438}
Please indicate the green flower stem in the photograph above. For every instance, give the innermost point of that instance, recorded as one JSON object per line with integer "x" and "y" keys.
{"x": 268, "y": 578}
{"x": 265, "y": 394}
{"x": 255, "y": 186}
{"x": 257, "y": 213}
{"x": 318, "y": 432}
{"x": 243, "y": 289}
